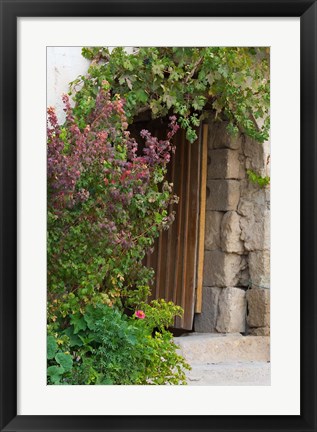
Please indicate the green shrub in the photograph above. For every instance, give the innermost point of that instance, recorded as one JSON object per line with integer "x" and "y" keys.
{"x": 107, "y": 202}
{"x": 107, "y": 347}
{"x": 106, "y": 205}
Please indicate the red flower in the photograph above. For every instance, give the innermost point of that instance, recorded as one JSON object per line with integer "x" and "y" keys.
{"x": 125, "y": 174}
{"x": 140, "y": 314}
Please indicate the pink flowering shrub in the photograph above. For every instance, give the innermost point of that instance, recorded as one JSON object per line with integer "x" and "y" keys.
{"x": 107, "y": 202}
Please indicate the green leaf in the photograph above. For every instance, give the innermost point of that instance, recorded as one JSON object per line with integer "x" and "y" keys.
{"x": 51, "y": 347}
{"x": 54, "y": 373}
{"x": 169, "y": 100}
{"x": 174, "y": 76}
{"x": 74, "y": 340}
{"x": 79, "y": 323}
{"x": 128, "y": 65}
{"x": 87, "y": 53}
{"x": 157, "y": 69}
{"x": 65, "y": 360}
{"x": 141, "y": 95}
{"x": 158, "y": 217}
{"x": 106, "y": 381}
{"x": 257, "y": 179}
{"x": 195, "y": 121}
{"x": 156, "y": 107}
{"x": 131, "y": 339}
{"x": 199, "y": 102}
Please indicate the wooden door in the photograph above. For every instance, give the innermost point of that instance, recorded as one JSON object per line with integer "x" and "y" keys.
{"x": 179, "y": 250}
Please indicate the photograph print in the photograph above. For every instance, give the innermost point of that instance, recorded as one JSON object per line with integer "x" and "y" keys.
{"x": 158, "y": 216}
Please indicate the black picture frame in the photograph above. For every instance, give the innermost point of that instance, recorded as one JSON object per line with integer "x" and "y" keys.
{"x": 10, "y": 11}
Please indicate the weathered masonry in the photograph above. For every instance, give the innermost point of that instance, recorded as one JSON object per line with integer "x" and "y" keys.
{"x": 236, "y": 279}
{"x": 214, "y": 261}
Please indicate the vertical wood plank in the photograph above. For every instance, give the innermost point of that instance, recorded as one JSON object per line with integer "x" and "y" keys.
{"x": 186, "y": 198}
{"x": 180, "y": 177}
{"x": 152, "y": 259}
{"x": 192, "y": 235}
{"x": 158, "y": 267}
{"x": 202, "y": 220}
{"x": 168, "y": 288}
{"x": 175, "y": 251}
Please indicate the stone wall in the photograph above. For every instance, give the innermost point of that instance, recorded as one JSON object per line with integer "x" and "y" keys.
{"x": 236, "y": 297}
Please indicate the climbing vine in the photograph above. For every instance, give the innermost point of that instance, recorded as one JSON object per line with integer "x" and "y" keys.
{"x": 258, "y": 179}
{"x": 188, "y": 82}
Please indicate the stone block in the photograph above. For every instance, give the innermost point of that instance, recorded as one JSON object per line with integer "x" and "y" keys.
{"x": 256, "y": 233}
{"x": 223, "y": 195}
{"x": 244, "y": 277}
{"x": 259, "y": 331}
{"x": 222, "y": 269}
{"x": 259, "y": 267}
{"x": 231, "y": 232}
{"x": 253, "y": 194}
{"x": 258, "y": 300}
{"x": 220, "y": 138}
{"x": 218, "y": 348}
{"x": 256, "y": 158}
{"x": 231, "y": 311}
{"x": 212, "y": 230}
{"x": 205, "y": 322}
{"x": 242, "y": 169}
{"x": 224, "y": 164}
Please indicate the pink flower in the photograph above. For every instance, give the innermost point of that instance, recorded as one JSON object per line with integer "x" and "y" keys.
{"x": 140, "y": 314}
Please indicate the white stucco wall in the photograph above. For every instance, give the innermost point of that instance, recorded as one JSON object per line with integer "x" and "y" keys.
{"x": 64, "y": 64}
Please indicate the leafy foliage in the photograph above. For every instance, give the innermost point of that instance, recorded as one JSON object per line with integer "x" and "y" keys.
{"x": 257, "y": 179}
{"x": 107, "y": 202}
{"x": 59, "y": 362}
{"x": 233, "y": 82}
{"x": 99, "y": 189}
{"x": 111, "y": 348}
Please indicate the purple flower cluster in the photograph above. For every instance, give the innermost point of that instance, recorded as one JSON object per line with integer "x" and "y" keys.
{"x": 103, "y": 191}
{"x": 159, "y": 151}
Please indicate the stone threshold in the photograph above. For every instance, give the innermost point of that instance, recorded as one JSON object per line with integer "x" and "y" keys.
{"x": 203, "y": 348}
{"x": 230, "y": 374}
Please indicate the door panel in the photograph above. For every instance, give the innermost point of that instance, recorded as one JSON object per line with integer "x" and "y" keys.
{"x": 175, "y": 252}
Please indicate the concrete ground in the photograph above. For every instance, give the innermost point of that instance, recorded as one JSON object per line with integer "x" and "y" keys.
{"x": 219, "y": 359}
